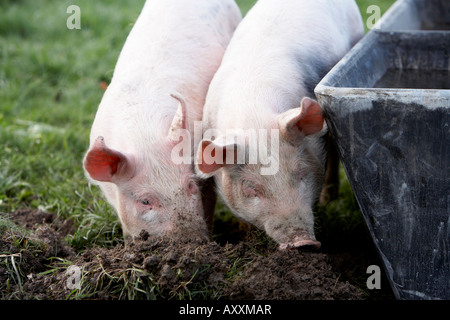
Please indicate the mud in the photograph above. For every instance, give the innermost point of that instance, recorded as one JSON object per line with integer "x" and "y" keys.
{"x": 248, "y": 267}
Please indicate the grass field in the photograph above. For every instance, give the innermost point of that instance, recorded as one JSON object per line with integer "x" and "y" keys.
{"x": 50, "y": 87}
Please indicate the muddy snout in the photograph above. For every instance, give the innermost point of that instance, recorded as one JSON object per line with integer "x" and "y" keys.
{"x": 292, "y": 231}
{"x": 301, "y": 243}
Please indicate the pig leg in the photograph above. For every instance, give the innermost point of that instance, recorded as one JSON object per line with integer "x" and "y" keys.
{"x": 331, "y": 185}
{"x": 209, "y": 199}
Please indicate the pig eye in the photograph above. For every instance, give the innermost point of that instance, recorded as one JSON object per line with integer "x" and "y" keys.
{"x": 302, "y": 174}
{"x": 251, "y": 190}
{"x": 147, "y": 204}
{"x": 192, "y": 186}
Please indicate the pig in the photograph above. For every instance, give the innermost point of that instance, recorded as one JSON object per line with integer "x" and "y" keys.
{"x": 277, "y": 55}
{"x": 158, "y": 89}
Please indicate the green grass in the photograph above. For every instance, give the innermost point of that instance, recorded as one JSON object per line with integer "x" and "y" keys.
{"x": 49, "y": 93}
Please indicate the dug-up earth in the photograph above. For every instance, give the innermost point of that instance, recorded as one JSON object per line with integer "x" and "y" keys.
{"x": 161, "y": 268}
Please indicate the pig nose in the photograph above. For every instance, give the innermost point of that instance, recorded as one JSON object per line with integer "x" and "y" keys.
{"x": 303, "y": 244}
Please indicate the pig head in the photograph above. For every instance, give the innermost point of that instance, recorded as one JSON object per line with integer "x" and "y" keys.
{"x": 276, "y": 194}
{"x": 148, "y": 191}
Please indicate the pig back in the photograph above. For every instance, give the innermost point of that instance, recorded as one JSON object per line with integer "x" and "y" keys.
{"x": 174, "y": 47}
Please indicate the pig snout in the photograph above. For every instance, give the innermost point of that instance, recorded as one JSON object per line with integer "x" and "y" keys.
{"x": 292, "y": 230}
{"x": 301, "y": 242}
{"x": 290, "y": 236}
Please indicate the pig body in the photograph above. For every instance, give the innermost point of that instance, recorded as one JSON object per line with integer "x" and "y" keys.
{"x": 159, "y": 86}
{"x": 278, "y": 54}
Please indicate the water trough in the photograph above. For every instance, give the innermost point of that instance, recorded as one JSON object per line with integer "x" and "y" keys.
{"x": 387, "y": 104}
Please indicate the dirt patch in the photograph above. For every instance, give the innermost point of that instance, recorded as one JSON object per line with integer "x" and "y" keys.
{"x": 163, "y": 268}
{"x": 291, "y": 275}
{"x": 46, "y": 228}
{"x": 26, "y": 250}
{"x": 32, "y": 219}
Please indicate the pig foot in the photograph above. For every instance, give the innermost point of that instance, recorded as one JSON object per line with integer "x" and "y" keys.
{"x": 209, "y": 199}
{"x": 329, "y": 193}
{"x": 330, "y": 188}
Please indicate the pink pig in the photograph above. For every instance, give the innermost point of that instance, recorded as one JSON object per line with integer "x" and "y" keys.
{"x": 276, "y": 57}
{"x": 158, "y": 88}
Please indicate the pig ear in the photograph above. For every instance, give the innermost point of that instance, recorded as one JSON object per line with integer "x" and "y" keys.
{"x": 299, "y": 122}
{"x": 212, "y": 156}
{"x": 107, "y": 165}
{"x": 179, "y": 120}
